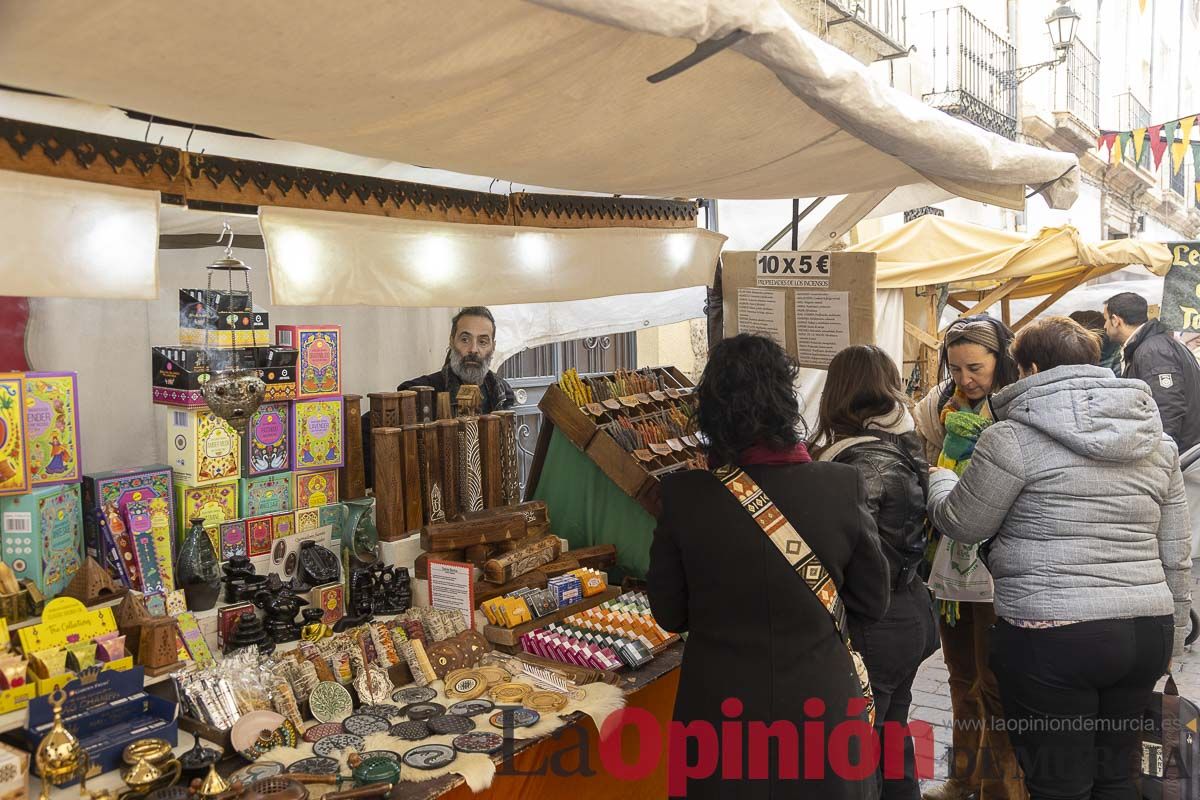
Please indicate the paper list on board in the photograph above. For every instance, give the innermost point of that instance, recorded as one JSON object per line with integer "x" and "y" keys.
{"x": 822, "y": 326}
{"x": 761, "y": 311}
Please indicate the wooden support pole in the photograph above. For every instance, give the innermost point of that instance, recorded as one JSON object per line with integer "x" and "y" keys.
{"x": 1006, "y": 311}
{"x": 995, "y": 295}
{"x": 1057, "y": 294}
{"x": 955, "y": 304}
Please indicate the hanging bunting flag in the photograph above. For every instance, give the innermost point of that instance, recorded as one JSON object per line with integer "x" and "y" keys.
{"x": 1169, "y": 129}
{"x": 1139, "y": 143}
{"x": 1195, "y": 156}
{"x": 1123, "y": 139}
{"x": 1141, "y": 6}
{"x": 1106, "y": 142}
{"x": 1179, "y": 148}
{"x": 1158, "y": 145}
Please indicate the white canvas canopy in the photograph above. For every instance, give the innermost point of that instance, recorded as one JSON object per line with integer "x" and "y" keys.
{"x": 552, "y": 92}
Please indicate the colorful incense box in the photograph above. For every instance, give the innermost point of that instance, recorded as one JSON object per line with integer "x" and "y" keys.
{"x": 14, "y": 460}
{"x": 320, "y": 361}
{"x": 315, "y": 489}
{"x": 118, "y": 489}
{"x": 52, "y": 427}
{"x": 329, "y": 598}
{"x": 43, "y": 536}
{"x": 217, "y": 318}
{"x": 277, "y": 368}
{"x": 178, "y": 373}
{"x": 267, "y": 447}
{"x": 317, "y": 434}
{"x": 265, "y": 494}
{"x": 283, "y": 525}
{"x": 233, "y": 539}
{"x": 260, "y": 533}
{"x": 204, "y": 449}
{"x": 214, "y": 504}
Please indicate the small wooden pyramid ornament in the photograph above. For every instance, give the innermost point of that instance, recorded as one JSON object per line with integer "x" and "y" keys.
{"x": 93, "y": 584}
{"x": 131, "y": 616}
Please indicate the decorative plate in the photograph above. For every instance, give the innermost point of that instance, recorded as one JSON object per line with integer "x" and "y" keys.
{"x": 423, "y": 711}
{"x": 514, "y": 718}
{"x": 315, "y": 765}
{"x": 330, "y": 702}
{"x": 413, "y": 694}
{"x": 365, "y": 724}
{"x": 466, "y": 686}
{"x": 478, "y": 742}
{"x": 411, "y": 731}
{"x": 429, "y": 756}
{"x": 323, "y": 729}
{"x": 450, "y": 723}
{"x": 373, "y": 685}
{"x": 471, "y": 708}
{"x": 380, "y": 754}
{"x": 510, "y": 693}
{"x": 384, "y": 710}
{"x": 245, "y": 732}
{"x": 339, "y": 741}
{"x": 256, "y": 772}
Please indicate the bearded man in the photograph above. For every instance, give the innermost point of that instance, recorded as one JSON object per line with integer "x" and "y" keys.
{"x": 469, "y": 361}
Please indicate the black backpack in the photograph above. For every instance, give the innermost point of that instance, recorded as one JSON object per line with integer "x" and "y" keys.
{"x": 1171, "y": 742}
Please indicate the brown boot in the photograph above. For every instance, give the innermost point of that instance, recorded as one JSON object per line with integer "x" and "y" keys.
{"x": 953, "y": 789}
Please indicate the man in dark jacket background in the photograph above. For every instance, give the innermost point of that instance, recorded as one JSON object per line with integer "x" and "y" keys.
{"x": 1152, "y": 354}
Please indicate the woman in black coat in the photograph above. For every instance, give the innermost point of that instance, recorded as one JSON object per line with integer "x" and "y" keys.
{"x": 865, "y": 422}
{"x": 761, "y": 648}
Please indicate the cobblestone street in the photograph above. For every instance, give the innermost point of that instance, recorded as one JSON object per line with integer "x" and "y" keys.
{"x": 931, "y": 693}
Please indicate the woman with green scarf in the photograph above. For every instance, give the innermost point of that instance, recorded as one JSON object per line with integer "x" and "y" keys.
{"x": 975, "y": 363}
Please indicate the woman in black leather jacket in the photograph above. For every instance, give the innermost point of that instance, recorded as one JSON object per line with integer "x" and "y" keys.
{"x": 865, "y": 422}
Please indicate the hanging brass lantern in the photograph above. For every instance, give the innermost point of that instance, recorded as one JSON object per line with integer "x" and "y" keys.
{"x": 59, "y": 756}
{"x": 234, "y": 393}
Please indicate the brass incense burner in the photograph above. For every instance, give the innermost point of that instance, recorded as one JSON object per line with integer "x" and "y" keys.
{"x": 59, "y": 756}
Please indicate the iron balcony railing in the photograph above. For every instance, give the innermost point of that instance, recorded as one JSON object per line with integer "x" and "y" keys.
{"x": 887, "y": 18}
{"x": 973, "y": 69}
{"x": 1131, "y": 115}
{"x": 1081, "y": 76}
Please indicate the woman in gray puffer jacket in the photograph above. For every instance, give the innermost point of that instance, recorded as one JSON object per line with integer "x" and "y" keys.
{"x": 1091, "y": 558}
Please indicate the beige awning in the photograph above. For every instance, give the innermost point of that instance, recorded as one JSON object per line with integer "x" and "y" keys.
{"x": 550, "y": 93}
{"x": 932, "y": 250}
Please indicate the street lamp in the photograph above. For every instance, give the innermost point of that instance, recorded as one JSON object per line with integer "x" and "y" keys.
{"x": 1062, "y": 24}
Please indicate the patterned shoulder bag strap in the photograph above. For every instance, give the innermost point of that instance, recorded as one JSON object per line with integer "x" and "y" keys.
{"x": 802, "y": 559}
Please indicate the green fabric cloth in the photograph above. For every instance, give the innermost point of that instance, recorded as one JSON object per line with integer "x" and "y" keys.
{"x": 586, "y": 508}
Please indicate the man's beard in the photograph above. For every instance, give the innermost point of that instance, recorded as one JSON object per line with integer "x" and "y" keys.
{"x": 468, "y": 371}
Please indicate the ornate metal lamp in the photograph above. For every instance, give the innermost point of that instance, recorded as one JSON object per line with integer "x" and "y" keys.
{"x": 234, "y": 393}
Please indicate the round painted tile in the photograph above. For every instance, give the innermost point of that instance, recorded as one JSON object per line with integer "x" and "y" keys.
{"x": 422, "y": 711}
{"x": 256, "y": 772}
{"x": 315, "y": 765}
{"x": 429, "y": 756}
{"x": 413, "y": 694}
{"x": 380, "y": 754}
{"x": 478, "y": 742}
{"x": 330, "y": 702}
{"x": 411, "y": 731}
{"x": 385, "y": 710}
{"x": 471, "y": 708}
{"x": 365, "y": 724}
{"x": 450, "y": 723}
{"x": 323, "y": 729}
{"x": 339, "y": 741}
{"x": 514, "y": 718}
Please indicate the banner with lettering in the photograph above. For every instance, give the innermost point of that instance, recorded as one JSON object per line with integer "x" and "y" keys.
{"x": 1181, "y": 289}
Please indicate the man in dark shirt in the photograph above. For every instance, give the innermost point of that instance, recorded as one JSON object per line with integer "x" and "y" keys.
{"x": 468, "y": 361}
{"x": 1151, "y": 353}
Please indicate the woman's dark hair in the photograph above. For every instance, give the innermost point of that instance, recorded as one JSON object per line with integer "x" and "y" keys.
{"x": 863, "y": 382}
{"x": 747, "y": 396}
{"x": 1000, "y": 347}
{"x": 1052, "y": 342}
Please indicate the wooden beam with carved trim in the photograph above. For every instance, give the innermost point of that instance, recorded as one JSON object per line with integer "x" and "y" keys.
{"x": 221, "y": 183}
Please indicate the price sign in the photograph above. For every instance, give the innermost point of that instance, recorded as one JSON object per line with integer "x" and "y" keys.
{"x": 792, "y": 269}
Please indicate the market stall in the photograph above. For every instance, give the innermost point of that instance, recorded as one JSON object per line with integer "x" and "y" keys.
{"x": 191, "y": 447}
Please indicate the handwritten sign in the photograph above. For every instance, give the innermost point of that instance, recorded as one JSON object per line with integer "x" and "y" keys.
{"x": 1181, "y": 289}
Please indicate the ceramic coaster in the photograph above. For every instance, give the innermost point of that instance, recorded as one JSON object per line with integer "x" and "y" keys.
{"x": 339, "y": 741}
{"x": 365, "y": 724}
{"x": 423, "y": 711}
{"x": 384, "y": 710}
{"x": 413, "y": 694}
{"x": 257, "y": 772}
{"x": 323, "y": 729}
{"x": 411, "y": 731}
{"x": 478, "y": 742}
{"x": 330, "y": 702}
{"x": 429, "y": 756}
{"x": 450, "y": 724}
{"x": 381, "y": 754}
{"x": 315, "y": 765}
{"x": 514, "y": 718}
{"x": 471, "y": 708}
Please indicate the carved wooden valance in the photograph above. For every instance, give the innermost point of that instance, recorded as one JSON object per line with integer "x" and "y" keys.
{"x": 215, "y": 182}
